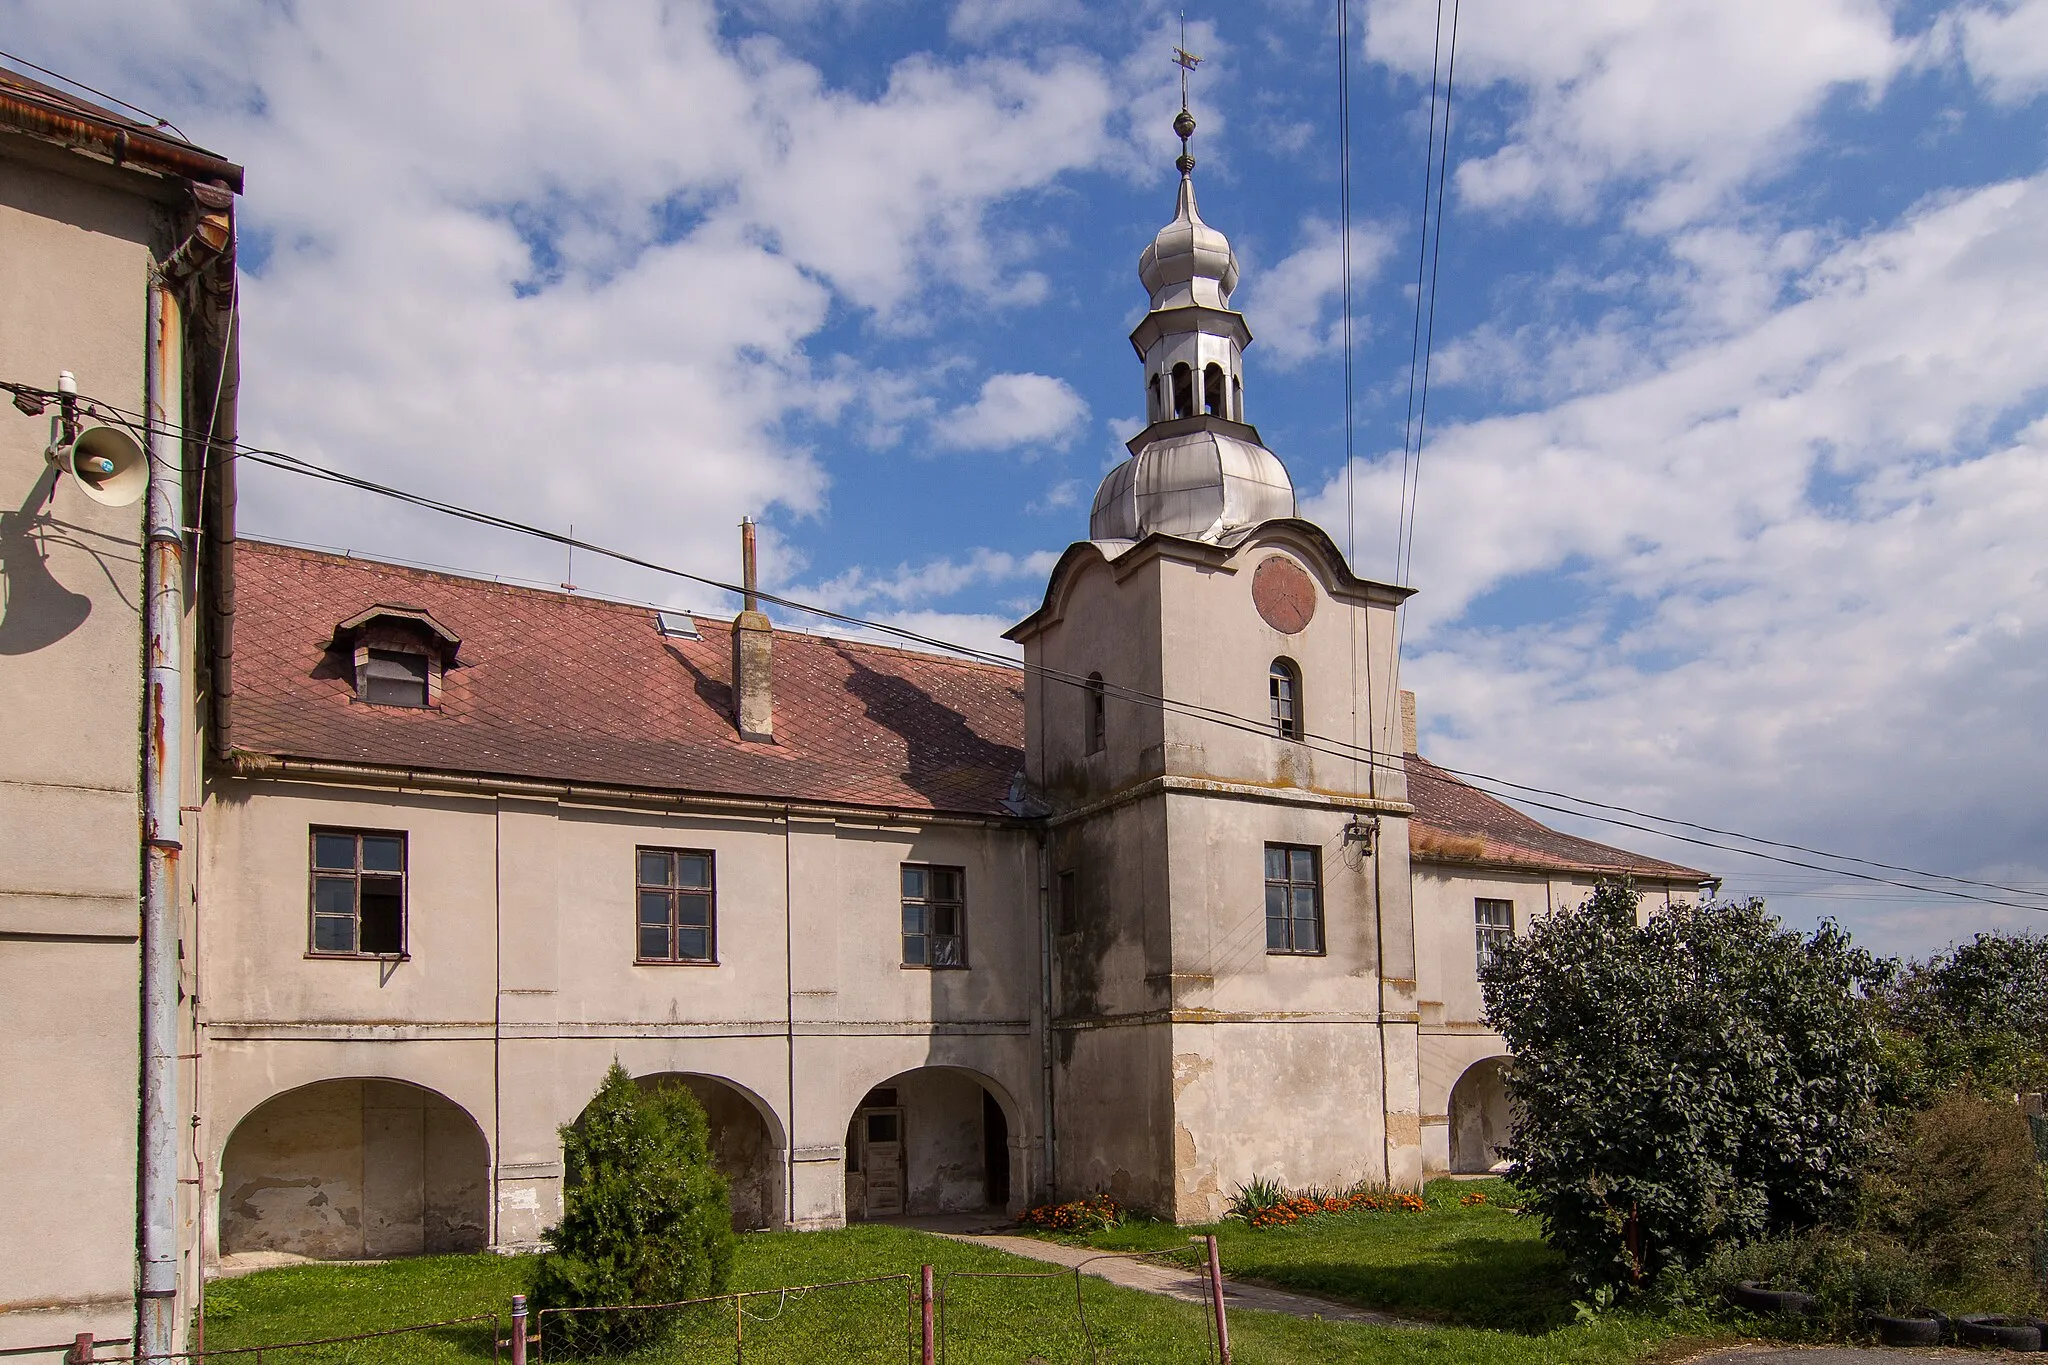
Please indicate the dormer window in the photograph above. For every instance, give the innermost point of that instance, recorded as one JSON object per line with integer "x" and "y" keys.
{"x": 390, "y": 677}
{"x": 400, "y": 655}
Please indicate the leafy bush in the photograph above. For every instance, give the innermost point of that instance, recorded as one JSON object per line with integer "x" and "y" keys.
{"x": 1705, "y": 1077}
{"x": 1977, "y": 1014}
{"x": 645, "y": 1219}
{"x": 1958, "y": 1184}
{"x": 1254, "y": 1196}
{"x": 1097, "y": 1213}
{"x": 1850, "y": 1275}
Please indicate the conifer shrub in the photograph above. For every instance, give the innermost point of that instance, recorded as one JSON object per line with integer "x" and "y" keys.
{"x": 646, "y": 1218}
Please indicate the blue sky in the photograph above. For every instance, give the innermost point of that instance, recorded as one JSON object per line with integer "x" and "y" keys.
{"x": 1737, "y": 466}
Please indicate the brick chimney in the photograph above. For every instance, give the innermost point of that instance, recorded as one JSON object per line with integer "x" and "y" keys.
{"x": 753, "y": 650}
{"x": 1408, "y": 739}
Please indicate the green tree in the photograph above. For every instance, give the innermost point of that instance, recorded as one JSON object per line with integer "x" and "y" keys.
{"x": 1703, "y": 1077}
{"x": 646, "y": 1218}
{"x": 1976, "y": 1015}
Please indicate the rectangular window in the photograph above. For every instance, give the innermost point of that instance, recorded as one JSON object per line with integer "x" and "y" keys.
{"x": 1069, "y": 919}
{"x": 395, "y": 678}
{"x": 676, "y": 916}
{"x": 1493, "y": 923}
{"x": 934, "y": 916}
{"x": 358, "y": 895}
{"x": 1294, "y": 899}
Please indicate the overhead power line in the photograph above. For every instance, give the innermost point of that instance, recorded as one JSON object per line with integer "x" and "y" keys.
{"x": 1504, "y": 788}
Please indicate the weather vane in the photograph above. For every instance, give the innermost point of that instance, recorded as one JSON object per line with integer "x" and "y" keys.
{"x": 1184, "y": 123}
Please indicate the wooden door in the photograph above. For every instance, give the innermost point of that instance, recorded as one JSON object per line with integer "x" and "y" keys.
{"x": 881, "y": 1161}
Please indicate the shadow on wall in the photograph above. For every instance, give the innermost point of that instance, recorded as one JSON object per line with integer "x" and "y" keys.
{"x": 40, "y": 611}
{"x": 946, "y": 761}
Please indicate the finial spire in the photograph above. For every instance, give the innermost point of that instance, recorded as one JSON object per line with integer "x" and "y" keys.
{"x": 1184, "y": 122}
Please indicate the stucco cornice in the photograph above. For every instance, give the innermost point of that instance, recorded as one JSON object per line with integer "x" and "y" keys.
{"x": 247, "y": 766}
{"x": 1175, "y": 784}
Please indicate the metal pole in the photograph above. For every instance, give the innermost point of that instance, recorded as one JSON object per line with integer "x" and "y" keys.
{"x": 927, "y": 1355}
{"x": 81, "y": 1350}
{"x": 156, "y": 1327}
{"x": 519, "y": 1329}
{"x": 1216, "y": 1297}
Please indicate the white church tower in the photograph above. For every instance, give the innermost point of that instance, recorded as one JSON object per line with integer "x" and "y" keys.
{"x": 1208, "y": 684}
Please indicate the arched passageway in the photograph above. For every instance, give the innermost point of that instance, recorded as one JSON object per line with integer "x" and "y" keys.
{"x": 744, "y": 1147}
{"x": 934, "y": 1140}
{"x": 356, "y": 1169}
{"x": 1480, "y": 1117}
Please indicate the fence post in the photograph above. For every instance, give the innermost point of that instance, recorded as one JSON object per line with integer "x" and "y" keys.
{"x": 927, "y": 1355}
{"x": 81, "y": 1350}
{"x": 519, "y": 1329}
{"x": 1216, "y": 1296}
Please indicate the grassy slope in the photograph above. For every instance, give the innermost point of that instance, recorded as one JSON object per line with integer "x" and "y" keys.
{"x": 991, "y": 1320}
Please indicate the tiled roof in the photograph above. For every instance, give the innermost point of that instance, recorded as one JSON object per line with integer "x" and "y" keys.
{"x": 1455, "y": 822}
{"x": 556, "y": 687}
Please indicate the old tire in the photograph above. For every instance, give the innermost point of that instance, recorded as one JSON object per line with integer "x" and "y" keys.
{"x": 1989, "y": 1329}
{"x": 1750, "y": 1295}
{"x": 1914, "y": 1330}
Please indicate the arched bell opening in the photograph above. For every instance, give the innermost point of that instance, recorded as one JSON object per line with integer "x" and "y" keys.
{"x": 1214, "y": 400}
{"x": 1183, "y": 390}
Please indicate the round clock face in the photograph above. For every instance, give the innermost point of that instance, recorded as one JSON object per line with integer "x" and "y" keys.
{"x": 1284, "y": 594}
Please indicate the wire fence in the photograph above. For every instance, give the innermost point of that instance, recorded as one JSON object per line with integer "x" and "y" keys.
{"x": 477, "y": 1337}
{"x": 1069, "y": 1316}
{"x": 865, "y": 1320}
{"x": 1057, "y": 1316}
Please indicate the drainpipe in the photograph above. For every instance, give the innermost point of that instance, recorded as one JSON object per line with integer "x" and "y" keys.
{"x": 156, "y": 1328}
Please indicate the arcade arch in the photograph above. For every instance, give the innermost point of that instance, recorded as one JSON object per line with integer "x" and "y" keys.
{"x": 356, "y": 1169}
{"x": 1480, "y": 1116}
{"x": 936, "y": 1139}
{"x": 746, "y": 1145}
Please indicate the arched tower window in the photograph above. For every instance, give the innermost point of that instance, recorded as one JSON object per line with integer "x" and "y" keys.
{"x": 1157, "y": 412}
{"x": 1283, "y": 684}
{"x": 1098, "y": 714}
{"x": 1213, "y": 401}
{"x": 1183, "y": 390}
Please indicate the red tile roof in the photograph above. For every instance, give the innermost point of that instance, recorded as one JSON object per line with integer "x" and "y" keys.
{"x": 556, "y": 687}
{"x": 1455, "y": 822}
{"x": 551, "y": 686}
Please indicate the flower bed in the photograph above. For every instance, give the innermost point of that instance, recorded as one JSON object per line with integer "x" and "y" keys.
{"x": 1097, "y": 1213}
{"x": 1294, "y": 1208}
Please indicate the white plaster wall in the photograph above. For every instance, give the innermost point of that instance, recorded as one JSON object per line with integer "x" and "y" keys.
{"x": 74, "y": 250}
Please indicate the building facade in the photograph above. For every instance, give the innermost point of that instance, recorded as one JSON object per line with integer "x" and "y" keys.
{"x": 116, "y": 270}
{"x": 1172, "y": 906}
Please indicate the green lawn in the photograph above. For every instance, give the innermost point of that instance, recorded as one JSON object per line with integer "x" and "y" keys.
{"x": 990, "y": 1319}
{"x": 1476, "y": 1266}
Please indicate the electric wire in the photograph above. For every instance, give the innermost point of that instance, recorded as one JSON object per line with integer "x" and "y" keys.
{"x": 158, "y": 119}
{"x": 1421, "y": 263}
{"x": 1436, "y": 262}
{"x": 1522, "y": 793}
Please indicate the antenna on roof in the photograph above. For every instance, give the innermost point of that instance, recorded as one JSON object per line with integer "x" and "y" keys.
{"x": 569, "y": 573}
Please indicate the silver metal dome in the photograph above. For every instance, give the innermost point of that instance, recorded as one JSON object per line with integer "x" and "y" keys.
{"x": 1202, "y": 483}
{"x": 1188, "y": 262}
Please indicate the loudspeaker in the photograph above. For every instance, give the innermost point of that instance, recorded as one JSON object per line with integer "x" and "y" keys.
{"x": 108, "y": 464}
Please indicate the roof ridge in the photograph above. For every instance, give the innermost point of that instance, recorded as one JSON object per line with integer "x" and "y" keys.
{"x": 454, "y": 575}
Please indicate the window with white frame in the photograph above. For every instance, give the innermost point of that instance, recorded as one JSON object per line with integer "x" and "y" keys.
{"x": 1493, "y": 923}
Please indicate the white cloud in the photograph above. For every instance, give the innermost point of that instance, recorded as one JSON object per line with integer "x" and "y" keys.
{"x": 918, "y": 585}
{"x": 2006, "y": 47}
{"x": 1693, "y": 97}
{"x": 577, "y": 256}
{"x": 1796, "y": 579}
{"x": 977, "y": 21}
{"x": 1298, "y": 299}
{"x": 1014, "y": 410}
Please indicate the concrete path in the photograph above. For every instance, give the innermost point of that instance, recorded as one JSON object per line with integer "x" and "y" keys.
{"x": 1157, "y": 1276}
